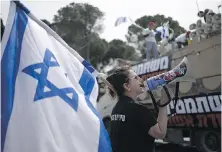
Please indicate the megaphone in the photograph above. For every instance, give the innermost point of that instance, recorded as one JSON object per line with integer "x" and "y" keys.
{"x": 181, "y": 72}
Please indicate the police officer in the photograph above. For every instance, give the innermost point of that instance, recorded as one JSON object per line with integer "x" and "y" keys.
{"x": 133, "y": 128}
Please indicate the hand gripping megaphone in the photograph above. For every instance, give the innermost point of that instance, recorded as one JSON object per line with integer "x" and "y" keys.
{"x": 181, "y": 72}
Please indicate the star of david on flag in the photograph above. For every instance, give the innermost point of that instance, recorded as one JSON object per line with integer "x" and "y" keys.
{"x": 49, "y": 91}
{"x": 43, "y": 82}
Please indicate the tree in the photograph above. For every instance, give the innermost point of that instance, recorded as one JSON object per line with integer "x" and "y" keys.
{"x": 119, "y": 49}
{"x": 79, "y": 24}
{"x": 158, "y": 19}
{"x": 97, "y": 48}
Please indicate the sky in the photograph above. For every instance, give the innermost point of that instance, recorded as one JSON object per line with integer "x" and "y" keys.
{"x": 184, "y": 11}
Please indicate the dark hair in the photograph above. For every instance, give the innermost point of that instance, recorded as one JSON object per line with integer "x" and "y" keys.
{"x": 117, "y": 79}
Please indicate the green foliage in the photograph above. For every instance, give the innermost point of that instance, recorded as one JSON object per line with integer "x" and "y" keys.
{"x": 119, "y": 49}
{"x": 79, "y": 25}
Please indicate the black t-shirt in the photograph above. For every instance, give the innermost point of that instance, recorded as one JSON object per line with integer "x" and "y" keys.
{"x": 130, "y": 124}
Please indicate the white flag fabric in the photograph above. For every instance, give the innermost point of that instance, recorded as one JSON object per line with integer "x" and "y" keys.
{"x": 48, "y": 95}
{"x": 121, "y": 20}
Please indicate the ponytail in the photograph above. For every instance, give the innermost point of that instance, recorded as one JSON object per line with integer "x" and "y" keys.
{"x": 111, "y": 91}
{"x": 117, "y": 79}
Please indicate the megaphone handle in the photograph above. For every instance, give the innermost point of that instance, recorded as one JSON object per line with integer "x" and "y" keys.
{"x": 176, "y": 96}
{"x": 169, "y": 97}
{"x": 154, "y": 101}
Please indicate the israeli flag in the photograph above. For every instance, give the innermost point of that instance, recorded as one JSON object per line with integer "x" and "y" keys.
{"x": 48, "y": 94}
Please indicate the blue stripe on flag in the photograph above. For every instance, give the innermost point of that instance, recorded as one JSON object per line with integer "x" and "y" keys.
{"x": 88, "y": 66}
{"x": 87, "y": 83}
{"x": 10, "y": 64}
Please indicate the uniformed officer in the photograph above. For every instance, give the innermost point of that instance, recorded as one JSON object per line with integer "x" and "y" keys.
{"x": 133, "y": 128}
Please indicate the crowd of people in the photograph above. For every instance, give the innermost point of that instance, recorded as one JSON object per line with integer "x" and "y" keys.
{"x": 212, "y": 22}
{"x": 151, "y": 48}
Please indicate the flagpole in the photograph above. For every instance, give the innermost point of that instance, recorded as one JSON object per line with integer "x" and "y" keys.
{"x": 134, "y": 23}
{"x": 219, "y": 6}
{"x": 197, "y": 6}
{"x": 58, "y": 38}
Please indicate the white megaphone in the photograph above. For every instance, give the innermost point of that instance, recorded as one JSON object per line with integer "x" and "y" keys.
{"x": 181, "y": 72}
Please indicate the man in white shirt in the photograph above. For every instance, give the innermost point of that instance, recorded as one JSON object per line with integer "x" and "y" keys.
{"x": 150, "y": 39}
{"x": 182, "y": 39}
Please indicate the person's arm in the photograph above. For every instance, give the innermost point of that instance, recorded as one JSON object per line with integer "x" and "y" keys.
{"x": 146, "y": 33}
{"x": 148, "y": 124}
{"x": 159, "y": 130}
